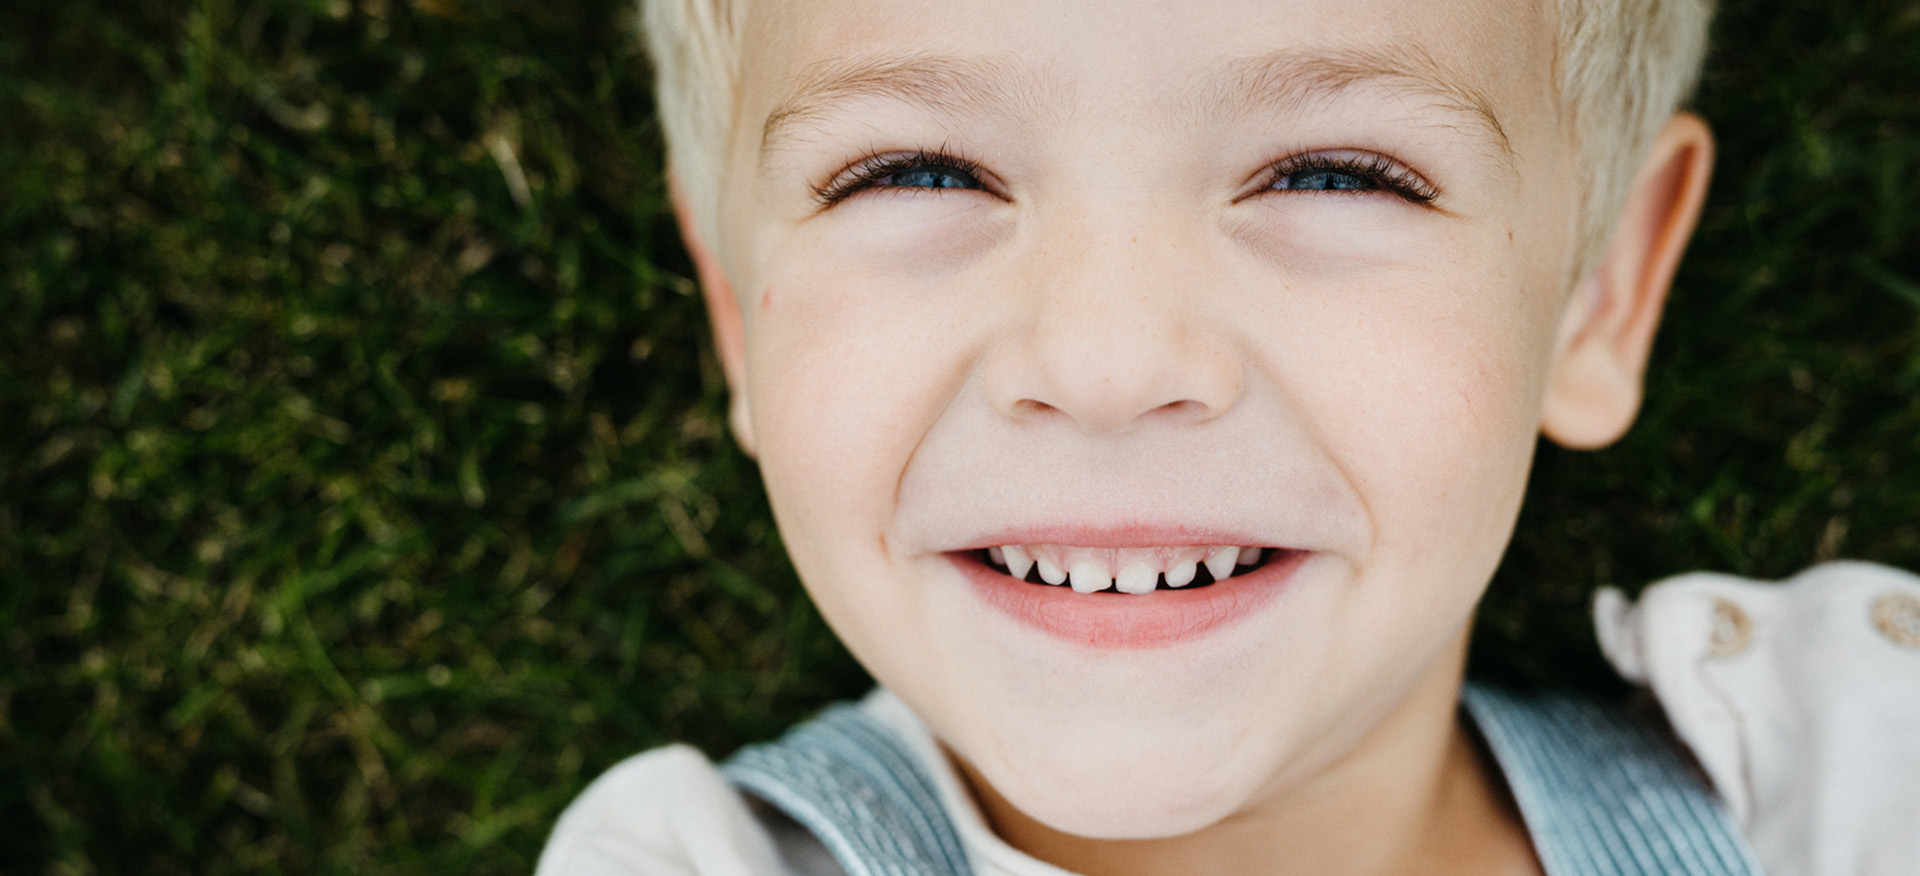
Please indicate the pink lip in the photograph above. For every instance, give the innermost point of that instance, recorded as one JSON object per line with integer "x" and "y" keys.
{"x": 1124, "y": 621}
{"x": 1096, "y": 536}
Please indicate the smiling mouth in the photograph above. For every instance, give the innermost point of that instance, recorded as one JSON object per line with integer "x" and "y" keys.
{"x": 1125, "y": 570}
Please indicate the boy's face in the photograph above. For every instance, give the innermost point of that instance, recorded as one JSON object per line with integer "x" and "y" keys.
{"x": 1120, "y": 282}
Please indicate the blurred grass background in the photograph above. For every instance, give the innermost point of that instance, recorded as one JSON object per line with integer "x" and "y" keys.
{"x": 364, "y": 484}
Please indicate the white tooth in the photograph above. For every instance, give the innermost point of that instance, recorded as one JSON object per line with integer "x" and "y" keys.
{"x": 1220, "y": 561}
{"x": 1051, "y": 573}
{"x": 1088, "y": 576}
{"x": 1181, "y": 575}
{"x": 998, "y": 558}
{"x": 1018, "y": 561}
{"x": 1249, "y": 556}
{"x": 1137, "y": 577}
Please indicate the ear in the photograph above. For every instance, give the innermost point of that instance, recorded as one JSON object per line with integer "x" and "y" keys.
{"x": 1595, "y": 387}
{"x": 723, "y": 311}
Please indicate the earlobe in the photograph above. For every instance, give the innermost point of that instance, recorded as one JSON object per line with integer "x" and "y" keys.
{"x": 723, "y": 312}
{"x": 1594, "y": 390}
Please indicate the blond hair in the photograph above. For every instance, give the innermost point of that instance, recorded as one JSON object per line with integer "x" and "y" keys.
{"x": 1622, "y": 68}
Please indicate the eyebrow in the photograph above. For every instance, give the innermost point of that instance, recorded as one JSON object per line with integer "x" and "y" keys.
{"x": 945, "y": 85}
{"x": 1283, "y": 80}
{"x": 1290, "y": 79}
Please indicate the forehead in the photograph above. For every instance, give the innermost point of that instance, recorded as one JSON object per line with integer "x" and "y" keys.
{"x": 1488, "y": 61}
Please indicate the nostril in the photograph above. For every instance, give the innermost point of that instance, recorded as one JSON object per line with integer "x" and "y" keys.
{"x": 1175, "y": 411}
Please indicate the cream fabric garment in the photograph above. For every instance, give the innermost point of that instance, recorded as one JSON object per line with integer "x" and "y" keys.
{"x": 1801, "y": 699}
{"x": 666, "y": 812}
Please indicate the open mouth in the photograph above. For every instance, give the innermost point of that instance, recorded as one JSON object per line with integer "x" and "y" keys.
{"x": 1129, "y": 597}
{"x": 1125, "y": 570}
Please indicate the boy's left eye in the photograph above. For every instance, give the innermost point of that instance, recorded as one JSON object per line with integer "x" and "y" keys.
{"x": 1324, "y": 180}
{"x": 1349, "y": 172}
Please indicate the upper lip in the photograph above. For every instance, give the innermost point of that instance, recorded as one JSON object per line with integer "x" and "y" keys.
{"x": 1126, "y": 535}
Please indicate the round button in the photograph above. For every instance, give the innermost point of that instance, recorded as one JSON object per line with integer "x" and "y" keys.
{"x": 1732, "y": 631}
{"x": 1898, "y": 617}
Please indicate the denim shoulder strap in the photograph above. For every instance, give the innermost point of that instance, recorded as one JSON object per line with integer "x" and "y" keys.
{"x": 1602, "y": 795}
{"x": 846, "y": 779}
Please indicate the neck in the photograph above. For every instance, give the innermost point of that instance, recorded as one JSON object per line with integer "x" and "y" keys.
{"x": 1416, "y": 794}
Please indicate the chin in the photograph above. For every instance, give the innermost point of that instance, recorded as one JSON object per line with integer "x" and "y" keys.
{"x": 1139, "y": 784}
{"x": 1120, "y": 801}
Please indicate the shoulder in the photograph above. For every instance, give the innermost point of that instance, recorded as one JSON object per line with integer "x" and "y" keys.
{"x": 665, "y": 812}
{"x": 1798, "y": 697}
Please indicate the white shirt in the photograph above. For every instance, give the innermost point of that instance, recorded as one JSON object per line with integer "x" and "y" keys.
{"x": 1801, "y": 699}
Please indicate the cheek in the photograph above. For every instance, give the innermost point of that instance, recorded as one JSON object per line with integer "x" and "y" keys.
{"x": 846, "y": 375}
{"x": 1430, "y": 404}
{"x": 862, "y": 335}
{"x": 826, "y": 429}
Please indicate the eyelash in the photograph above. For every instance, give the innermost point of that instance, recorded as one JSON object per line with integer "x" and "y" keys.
{"x": 868, "y": 172}
{"x": 1382, "y": 172}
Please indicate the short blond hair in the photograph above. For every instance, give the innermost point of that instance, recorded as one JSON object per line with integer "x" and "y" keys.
{"x": 1621, "y": 69}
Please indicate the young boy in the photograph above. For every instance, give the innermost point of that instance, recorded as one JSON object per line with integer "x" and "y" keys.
{"x": 1146, "y": 393}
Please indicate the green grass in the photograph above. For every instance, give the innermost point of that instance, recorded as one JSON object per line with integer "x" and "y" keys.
{"x": 366, "y": 485}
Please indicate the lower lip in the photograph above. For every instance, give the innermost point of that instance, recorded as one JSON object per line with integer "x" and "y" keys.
{"x": 1127, "y": 620}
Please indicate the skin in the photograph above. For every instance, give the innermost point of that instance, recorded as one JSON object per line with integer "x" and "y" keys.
{"x": 1126, "y": 330}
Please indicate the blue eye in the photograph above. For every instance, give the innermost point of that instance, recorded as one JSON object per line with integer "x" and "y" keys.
{"x": 1350, "y": 172}
{"x": 1324, "y": 180}
{"x": 929, "y": 176}
{"x": 927, "y": 170}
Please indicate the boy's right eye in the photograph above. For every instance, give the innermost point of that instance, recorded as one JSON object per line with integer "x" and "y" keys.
{"x": 929, "y": 176}
{"x": 923, "y": 171}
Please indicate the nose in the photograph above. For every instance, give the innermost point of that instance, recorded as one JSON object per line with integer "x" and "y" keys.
{"x": 1112, "y": 336}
